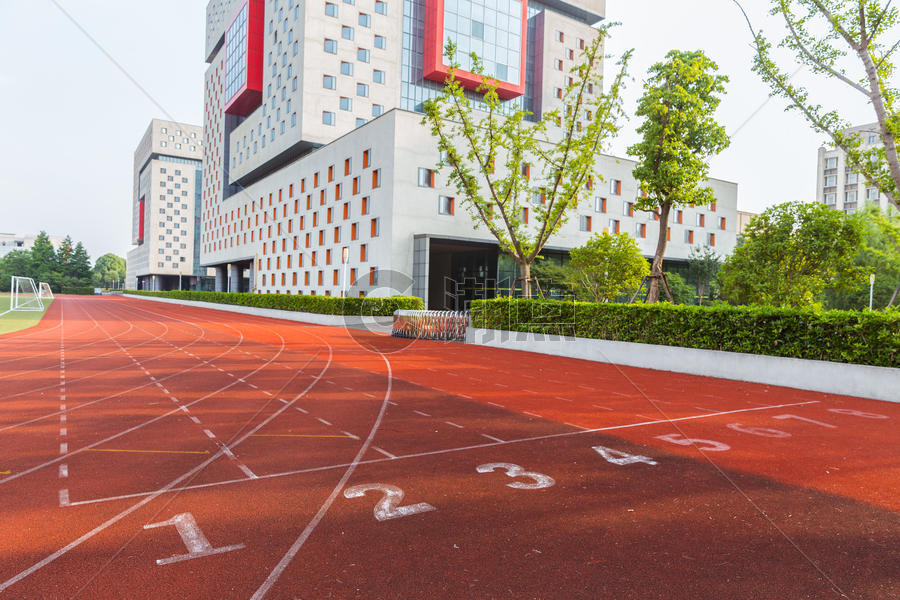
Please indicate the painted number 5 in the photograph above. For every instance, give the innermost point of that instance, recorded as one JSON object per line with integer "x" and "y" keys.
{"x": 540, "y": 480}
{"x": 708, "y": 445}
{"x": 387, "y": 507}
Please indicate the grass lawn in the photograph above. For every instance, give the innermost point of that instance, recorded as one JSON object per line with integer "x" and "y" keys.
{"x": 19, "y": 319}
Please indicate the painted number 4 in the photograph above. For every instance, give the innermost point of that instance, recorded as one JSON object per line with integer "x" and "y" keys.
{"x": 193, "y": 539}
{"x": 617, "y": 457}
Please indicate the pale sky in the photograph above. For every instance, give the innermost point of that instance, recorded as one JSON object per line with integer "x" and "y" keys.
{"x": 72, "y": 119}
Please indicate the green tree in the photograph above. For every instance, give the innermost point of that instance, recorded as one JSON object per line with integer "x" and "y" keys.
{"x": 878, "y": 255}
{"x": 490, "y": 150}
{"x": 703, "y": 265}
{"x": 682, "y": 292}
{"x": 80, "y": 266}
{"x": 607, "y": 266}
{"x": 791, "y": 253}
{"x": 109, "y": 269}
{"x": 554, "y": 277}
{"x": 43, "y": 258}
{"x": 15, "y": 262}
{"x": 679, "y": 134}
{"x": 823, "y": 34}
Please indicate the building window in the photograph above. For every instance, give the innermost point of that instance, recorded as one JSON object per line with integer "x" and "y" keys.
{"x": 600, "y": 205}
{"x": 365, "y": 205}
{"x": 330, "y": 9}
{"x": 559, "y": 65}
{"x": 615, "y": 187}
{"x": 640, "y": 230}
{"x": 584, "y": 223}
{"x": 849, "y": 196}
{"x": 688, "y": 236}
{"x": 426, "y": 177}
{"x": 701, "y": 220}
{"x": 377, "y": 110}
{"x": 347, "y": 32}
{"x": 362, "y": 89}
{"x": 346, "y": 68}
{"x": 710, "y": 239}
{"x": 330, "y": 48}
{"x": 327, "y": 117}
{"x": 380, "y": 42}
{"x": 830, "y": 180}
{"x": 375, "y": 227}
{"x": 628, "y": 209}
{"x": 362, "y": 55}
{"x": 380, "y": 7}
{"x": 830, "y": 198}
{"x": 376, "y": 178}
{"x": 329, "y": 82}
{"x": 614, "y": 226}
{"x": 560, "y": 37}
{"x": 852, "y": 178}
{"x": 346, "y": 103}
{"x": 445, "y": 205}
{"x": 366, "y": 158}
{"x": 378, "y": 76}
{"x": 365, "y": 20}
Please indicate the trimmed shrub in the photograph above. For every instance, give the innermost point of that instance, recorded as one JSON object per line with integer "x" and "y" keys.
{"x": 324, "y": 305}
{"x": 81, "y": 290}
{"x": 868, "y": 338}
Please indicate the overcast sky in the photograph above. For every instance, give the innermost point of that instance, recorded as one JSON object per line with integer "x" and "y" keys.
{"x": 72, "y": 118}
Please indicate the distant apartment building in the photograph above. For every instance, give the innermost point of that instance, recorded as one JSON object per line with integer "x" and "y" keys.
{"x": 743, "y": 219}
{"x": 841, "y": 187}
{"x": 316, "y": 161}
{"x": 166, "y": 209}
{"x": 19, "y": 241}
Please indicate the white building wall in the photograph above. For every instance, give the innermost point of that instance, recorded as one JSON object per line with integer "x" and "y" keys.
{"x": 841, "y": 188}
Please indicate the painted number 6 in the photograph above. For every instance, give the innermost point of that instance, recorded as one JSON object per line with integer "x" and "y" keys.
{"x": 540, "y": 480}
{"x": 708, "y": 445}
{"x": 387, "y": 508}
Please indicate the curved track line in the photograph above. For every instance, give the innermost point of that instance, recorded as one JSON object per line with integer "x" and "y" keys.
{"x": 77, "y": 542}
{"x": 275, "y": 574}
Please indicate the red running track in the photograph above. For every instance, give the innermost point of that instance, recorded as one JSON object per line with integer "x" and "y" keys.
{"x": 152, "y": 450}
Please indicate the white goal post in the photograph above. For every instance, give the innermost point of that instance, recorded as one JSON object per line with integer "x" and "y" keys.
{"x": 23, "y": 294}
{"x": 45, "y": 291}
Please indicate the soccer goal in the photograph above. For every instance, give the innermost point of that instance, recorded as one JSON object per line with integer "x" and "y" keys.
{"x": 45, "y": 291}
{"x": 23, "y": 294}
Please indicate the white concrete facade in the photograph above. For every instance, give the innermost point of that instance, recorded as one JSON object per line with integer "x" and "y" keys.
{"x": 167, "y": 165}
{"x": 840, "y": 187}
{"x": 19, "y": 241}
{"x": 287, "y": 194}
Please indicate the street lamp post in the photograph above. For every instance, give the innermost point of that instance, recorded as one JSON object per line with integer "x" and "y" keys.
{"x": 871, "y": 289}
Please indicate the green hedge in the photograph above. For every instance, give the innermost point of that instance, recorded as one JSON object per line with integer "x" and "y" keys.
{"x": 81, "y": 290}
{"x": 870, "y": 338}
{"x": 325, "y": 305}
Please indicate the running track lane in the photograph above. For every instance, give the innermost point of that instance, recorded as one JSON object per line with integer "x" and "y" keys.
{"x": 680, "y": 487}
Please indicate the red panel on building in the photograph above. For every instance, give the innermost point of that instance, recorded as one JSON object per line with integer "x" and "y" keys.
{"x": 436, "y": 70}
{"x": 244, "y": 40}
{"x": 141, "y": 221}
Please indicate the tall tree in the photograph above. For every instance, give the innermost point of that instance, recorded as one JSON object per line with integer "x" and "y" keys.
{"x": 679, "y": 134}
{"x": 791, "y": 253}
{"x": 607, "y": 266}
{"x": 703, "y": 265}
{"x": 853, "y": 43}
{"x": 522, "y": 179}
{"x": 80, "y": 265}
{"x": 43, "y": 257}
{"x": 109, "y": 269}
{"x": 15, "y": 263}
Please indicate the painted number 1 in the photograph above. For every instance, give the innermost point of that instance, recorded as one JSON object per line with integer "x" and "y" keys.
{"x": 193, "y": 539}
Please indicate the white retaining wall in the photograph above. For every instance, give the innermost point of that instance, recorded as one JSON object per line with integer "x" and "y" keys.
{"x": 879, "y": 383}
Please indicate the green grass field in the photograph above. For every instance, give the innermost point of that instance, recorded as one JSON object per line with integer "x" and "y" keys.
{"x": 18, "y": 320}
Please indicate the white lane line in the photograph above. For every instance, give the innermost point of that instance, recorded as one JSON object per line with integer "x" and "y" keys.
{"x": 503, "y": 385}
{"x": 62, "y": 418}
{"x": 704, "y": 409}
{"x": 253, "y": 386}
{"x": 174, "y": 489}
{"x": 531, "y": 414}
{"x": 454, "y": 424}
{"x": 303, "y": 410}
{"x": 392, "y": 403}
{"x": 193, "y": 418}
{"x": 463, "y": 396}
{"x": 419, "y": 412}
{"x": 350, "y": 435}
{"x": 574, "y": 425}
{"x": 209, "y": 434}
{"x": 64, "y": 497}
{"x": 490, "y": 437}
{"x": 368, "y": 395}
{"x": 63, "y": 448}
{"x": 561, "y": 398}
{"x": 63, "y": 432}
{"x": 584, "y": 387}
{"x": 321, "y": 420}
{"x": 385, "y": 452}
{"x": 62, "y": 406}
{"x": 282, "y": 400}
{"x": 63, "y": 470}
{"x": 495, "y": 404}
{"x": 601, "y": 407}
{"x": 245, "y": 469}
{"x": 267, "y": 393}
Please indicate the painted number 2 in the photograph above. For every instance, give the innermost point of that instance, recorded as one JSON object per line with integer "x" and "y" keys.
{"x": 193, "y": 539}
{"x": 540, "y": 480}
{"x": 387, "y": 507}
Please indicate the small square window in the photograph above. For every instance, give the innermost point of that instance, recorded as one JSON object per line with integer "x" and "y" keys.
{"x": 377, "y": 110}
{"x": 445, "y": 205}
{"x": 330, "y": 48}
{"x": 478, "y": 30}
{"x": 362, "y": 55}
{"x": 329, "y": 82}
{"x": 378, "y": 76}
{"x": 330, "y": 9}
{"x": 346, "y": 103}
{"x": 347, "y": 32}
{"x": 380, "y": 42}
{"x": 327, "y": 117}
{"x": 362, "y": 89}
{"x": 346, "y": 68}
{"x": 365, "y": 20}
{"x": 380, "y": 7}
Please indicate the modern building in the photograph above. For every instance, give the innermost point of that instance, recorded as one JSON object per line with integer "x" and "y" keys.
{"x": 18, "y": 241}
{"x": 838, "y": 185}
{"x": 743, "y": 219}
{"x": 166, "y": 209}
{"x": 319, "y": 177}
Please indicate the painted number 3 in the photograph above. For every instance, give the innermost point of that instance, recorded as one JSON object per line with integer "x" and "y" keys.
{"x": 391, "y": 496}
{"x": 540, "y": 480}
